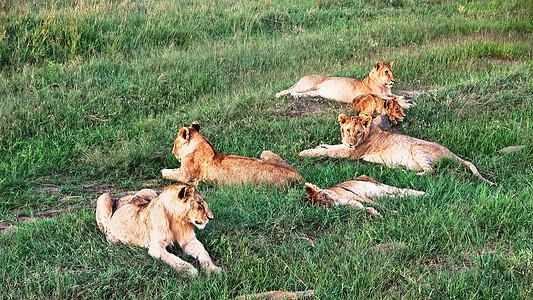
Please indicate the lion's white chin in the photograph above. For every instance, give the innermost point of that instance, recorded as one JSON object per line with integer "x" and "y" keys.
{"x": 348, "y": 145}
{"x": 201, "y": 226}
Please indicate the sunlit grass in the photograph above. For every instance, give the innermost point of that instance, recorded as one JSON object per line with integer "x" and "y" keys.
{"x": 93, "y": 93}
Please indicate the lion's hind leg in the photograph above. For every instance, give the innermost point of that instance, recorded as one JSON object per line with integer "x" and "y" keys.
{"x": 273, "y": 157}
{"x": 423, "y": 159}
{"x": 146, "y": 194}
{"x": 104, "y": 211}
{"x": 306, "y": 86}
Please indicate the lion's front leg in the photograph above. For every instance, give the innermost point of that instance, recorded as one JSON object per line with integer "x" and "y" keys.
{"x": 405, "y": 104}
{"x": 158, "y": 251}
{"x": 179, "y": 175}
{"x": 195, "y": 249}
{"x": 328, "y": 150}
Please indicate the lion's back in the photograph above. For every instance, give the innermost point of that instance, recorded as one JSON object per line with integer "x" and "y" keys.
{"x": 235, "y": 169}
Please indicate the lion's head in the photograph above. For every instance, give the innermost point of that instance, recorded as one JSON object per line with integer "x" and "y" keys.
{"x": 317, "y": 196}
{"x": 393, "y": 110}
{"x": 187, "y": 140}
{"x": 354, "y": 130}
{"x": 186, "y": 202}
{"x": 383, "y": 74}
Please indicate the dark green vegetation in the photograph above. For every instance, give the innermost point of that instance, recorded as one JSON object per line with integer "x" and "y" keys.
{"x": 92, "y": 94}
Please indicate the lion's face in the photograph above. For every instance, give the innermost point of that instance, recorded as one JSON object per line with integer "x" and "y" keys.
{"x": 354, "y": 130}
{"x": 199, "y": 213}
{"x": 393, "y": 110}
{"x": 383, "y": 74}
{"x": 317, "y": 196}
{"x": 188, "y": 203}
{"x": 184, "y": 142}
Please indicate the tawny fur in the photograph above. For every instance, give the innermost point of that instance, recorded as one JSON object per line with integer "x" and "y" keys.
{"x": 353, "y": 192}
{"x": 155, "y": 222}
{"x": 201, "y": 161}
{"x": 378, "y": 82}
{"x": 371, "y": 106}
{"x": 360, "y": 140}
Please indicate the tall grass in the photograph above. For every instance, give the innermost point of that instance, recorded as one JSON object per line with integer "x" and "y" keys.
{"x": 93, "y": 93}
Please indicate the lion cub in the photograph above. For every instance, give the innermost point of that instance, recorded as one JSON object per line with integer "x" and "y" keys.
{"x": 155, "y": 222}
{"x": 370, "y": 105}
{"x": 355, "y": 191}
{"x": 360, "y": 140}
{"x": 201, "y": 161}
{"x": 378, "y": 82}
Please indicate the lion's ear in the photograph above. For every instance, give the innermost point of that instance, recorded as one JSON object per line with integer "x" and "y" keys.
{"x": 185, "y": 193}
{"x": 366, "y": 121}
{"x": 343, "y": 119}
{"x": 183, "y": 133}
{"x": 196, "y": 126}
{"x": 311, "y": 189}
{"x": 388, "y": 104}
{"x": 390, "y": 64}
{"x": 378, "y": 65}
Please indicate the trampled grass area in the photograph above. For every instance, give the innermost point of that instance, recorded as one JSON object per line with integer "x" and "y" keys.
{"x": 92, "y": 94}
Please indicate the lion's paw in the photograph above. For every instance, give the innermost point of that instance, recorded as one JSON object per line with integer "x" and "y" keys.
{"x": 169, "y": 173}
{"x": 211, "y": 268}
{"x": 307, "y": 152}
{"x": 186, "y": 268}
{"x": 373, "y": 211}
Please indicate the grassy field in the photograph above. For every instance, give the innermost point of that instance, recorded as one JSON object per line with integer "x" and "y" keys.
{"x": 92, "y": 94}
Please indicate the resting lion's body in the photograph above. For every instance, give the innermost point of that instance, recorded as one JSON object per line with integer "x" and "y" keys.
{"x": 360, "y": 140}
{"x": 155, "y": 222}
{"x": 201, "y": 161}
{"x": 352, "y": 192}
{"x": 370, "y": 105}
{"x": 378, "y": 82}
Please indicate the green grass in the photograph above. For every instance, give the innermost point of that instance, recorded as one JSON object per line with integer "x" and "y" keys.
{"x": 92, "y": 94}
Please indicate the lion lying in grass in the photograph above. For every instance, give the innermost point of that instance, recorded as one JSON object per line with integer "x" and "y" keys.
{"x": 201, "y": 161}
{"x": 155, "y": 222}
{"x": 360, "y": 140}
{"x": 371, "y": 106}
{"x": 353, "y": 192}
{"x": 378, "y": 82}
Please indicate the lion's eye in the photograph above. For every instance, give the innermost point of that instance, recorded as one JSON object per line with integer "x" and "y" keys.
{"x": 387, "y": 72}
{"x": 348, "y": 131}
{"x": 359, "y": 132}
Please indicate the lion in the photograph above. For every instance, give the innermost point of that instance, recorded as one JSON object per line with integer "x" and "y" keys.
{"x": 360, "y": 140}
{"x": 201, "y": 161}
{"x": 155, "y": 222}
{"x": 353, "y": 192}
{"x": 370, "y": 105}
{"x": 378, "y": 82}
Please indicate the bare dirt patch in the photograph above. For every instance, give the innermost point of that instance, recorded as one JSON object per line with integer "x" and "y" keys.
{"x": 90, "y": 189}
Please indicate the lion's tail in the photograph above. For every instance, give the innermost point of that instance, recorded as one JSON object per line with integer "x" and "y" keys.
{"x": 475, "y": 171}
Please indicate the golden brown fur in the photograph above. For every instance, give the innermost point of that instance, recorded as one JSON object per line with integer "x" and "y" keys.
{"x": 370, "y": 105}
{"x": 378, "y": 82}
{"x": 155, "y": 222}
{"x": 201, "y": 161}
{"x": 360, "y": 140}
{"x": 353, "y": 192}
